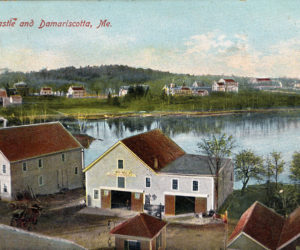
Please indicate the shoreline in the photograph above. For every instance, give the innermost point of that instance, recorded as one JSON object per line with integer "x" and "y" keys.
{"x": 97, "y": 116}
{"x": 177, "y": 113}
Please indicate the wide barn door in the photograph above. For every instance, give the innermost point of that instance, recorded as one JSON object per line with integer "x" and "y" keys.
{"x": 200, "y": 205}
{"x": 169, "y": 204}
{"x": 137, "y": 201}
{"x": 105, "y": 198}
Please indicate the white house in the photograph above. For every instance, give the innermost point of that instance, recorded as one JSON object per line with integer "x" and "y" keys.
{"x": 225, "y": 85}
{"x": 46, "y": 91}
{"x": 148, "y": 170}
{"x": 76, "y": 92}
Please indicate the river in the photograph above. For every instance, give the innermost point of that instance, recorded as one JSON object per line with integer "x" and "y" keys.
{"x": 261, "y": 132}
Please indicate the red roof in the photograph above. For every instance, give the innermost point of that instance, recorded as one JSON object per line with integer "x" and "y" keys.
{"x": 78, "y": 88}
{"x": 23, "y": 142}
{"x": 291, "y": 227}
{"x": 229, "y": 80}
{"x": 263, "y": 79}
{"x": 262, "y": 224}
{"x": 154, "y": 145}
{"x": 142, "y": 225}
{"x": 47, "y": 88}
{"x": 185, "y": 88}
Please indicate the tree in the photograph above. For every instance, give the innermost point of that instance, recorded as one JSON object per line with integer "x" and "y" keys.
{"x": 295, "y": 168}
{"x": 217, "y": 148}
{"x": 248, "y": 166}
{"x": 275, "y": 165}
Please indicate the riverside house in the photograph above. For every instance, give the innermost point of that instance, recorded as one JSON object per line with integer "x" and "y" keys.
{"x": 44, "y": 157}
{"x": 149, "y": 170}
{"x": 76, "y": 92}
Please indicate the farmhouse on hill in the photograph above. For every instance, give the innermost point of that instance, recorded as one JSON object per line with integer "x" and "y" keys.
{"x": 226, "y": 85}
{"x": 149, "y": 171}
{"x": 44, "y": 157}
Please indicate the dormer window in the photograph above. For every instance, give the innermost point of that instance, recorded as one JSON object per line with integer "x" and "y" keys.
{"x": 120, "y": 164}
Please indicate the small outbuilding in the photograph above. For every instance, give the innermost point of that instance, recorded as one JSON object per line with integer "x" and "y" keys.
{"x": 140, "y": 233}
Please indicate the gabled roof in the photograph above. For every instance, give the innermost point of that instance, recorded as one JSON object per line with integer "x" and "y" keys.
{"x": 192, "y": 164}
{"x": 23, "y": 142}
{"x": 154, "y": 146}
{"x": 262, "y": 224}
{"x": 291, "y": 228}
{"x": 77, "y": 88}
{"x": 142, "y": 225}
{"x": 263, "y": 79}
{"x": 229, "y": 80}
{"x": 46, "y": 88}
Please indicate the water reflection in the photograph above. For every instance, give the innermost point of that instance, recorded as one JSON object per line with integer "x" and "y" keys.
{"x": 262, "y": 133}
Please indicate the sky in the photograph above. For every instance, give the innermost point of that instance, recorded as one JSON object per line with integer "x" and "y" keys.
{"x": 258, "y": 38}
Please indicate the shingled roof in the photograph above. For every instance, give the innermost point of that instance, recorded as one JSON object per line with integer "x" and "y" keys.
{"x": 154, "y": 145}
{"x": 262, "y": 224}
{"x": 23, "y": 142}
{"x": 142, "y": 225}
{"x": 291, "y": 228}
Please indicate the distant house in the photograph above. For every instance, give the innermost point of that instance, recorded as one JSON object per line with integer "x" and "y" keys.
{"x": 194, "y": 90}
{"x": 225, "y": 85}
{"x": 45, "y": 157}
{"x": 124, "y": 89}
{"x": 46, "y": 91}
{"x": 265, "y": 83}
{"x": 296, "y": 86}
{"x": 76, "y": 92}
{"x": 12, "y": 100}
{"x": 3, "y": 94}
{"x": 140, "y": 232}
{"x": 149, "y": 170}
{"x": 262, "y": 228}
{"x": 22, "y": 88}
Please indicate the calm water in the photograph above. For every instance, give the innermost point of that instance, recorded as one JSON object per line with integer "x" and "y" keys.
{"x": 262, "y": 133}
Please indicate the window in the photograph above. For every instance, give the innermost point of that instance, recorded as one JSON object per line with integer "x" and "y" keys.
{"x": 175, "y": 184}
{"x": 63, "y": 157}
{"x": 4, "y": 188}
{"x": 120, "y": 164}
{"x": 132, "y": 245}
{"x": 137, "y": 196}
{"x": 148, "y": 182}
{"x": 158, "y": 241}
{"x": 106, "y": 193}
{"x": 195, "y": 185}
{"x": 96, "y": 194}
{"x": 40, "y": 163}
{"x": 121, "y": 182}
{"x": 76, "y": 170}
{"x": 41, "y": 181}
{"x": 3, "y": 169}
{"x": 24, "y": 166}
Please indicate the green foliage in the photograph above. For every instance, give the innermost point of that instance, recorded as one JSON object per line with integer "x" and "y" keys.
{"x": 275, "y": 166}
{"x": 248, "y": 166}
{"x": 217, "y": 148}
{"x": 295, "y": 168}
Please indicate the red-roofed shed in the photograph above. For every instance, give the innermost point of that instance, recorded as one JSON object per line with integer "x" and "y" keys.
{"x": 140, "y": 232}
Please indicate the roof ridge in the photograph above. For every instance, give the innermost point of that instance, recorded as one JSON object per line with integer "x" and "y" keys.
{"x": 145, "y": 224}
{"x": 270, "y": 209}
{"x": 122, "y": 224}
{"x": 31, "y": 125}
{"x": 143, "y": 133}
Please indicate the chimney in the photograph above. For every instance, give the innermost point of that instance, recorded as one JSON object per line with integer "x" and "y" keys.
{"x": 155, "y": 163}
